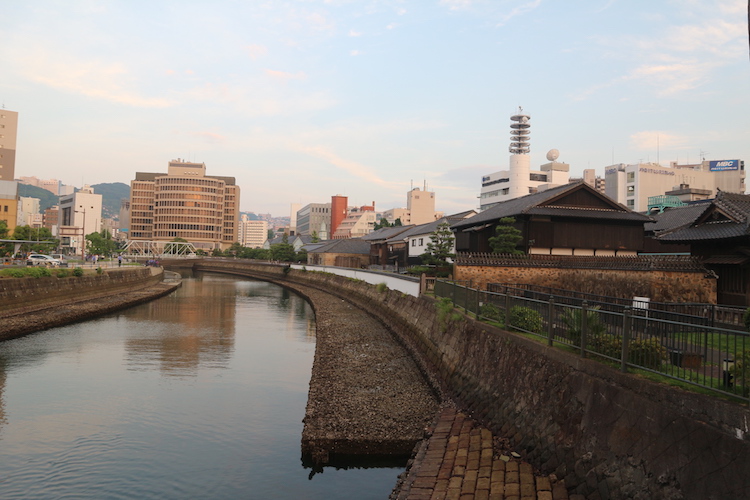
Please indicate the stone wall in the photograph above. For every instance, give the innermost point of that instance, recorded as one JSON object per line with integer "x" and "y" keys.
{"x": 608, "y": 434}
{"x": 660, "y": 286}
{"x": 20, "y": 295}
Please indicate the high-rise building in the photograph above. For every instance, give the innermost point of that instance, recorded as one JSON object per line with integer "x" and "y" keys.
{"x": 9, "y": 204}
{"x": 8, "y": 134}
{"x": 519, "y": 180}
{"x": 185, "y": 203}
{"x": 27, "y": 208}
{"x": 315, "y": 218}
{"x": 253, "y": 233}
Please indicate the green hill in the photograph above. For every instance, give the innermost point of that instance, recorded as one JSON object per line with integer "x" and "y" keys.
{"x": 111, "y": 192}
{"x": 46, "y": 199}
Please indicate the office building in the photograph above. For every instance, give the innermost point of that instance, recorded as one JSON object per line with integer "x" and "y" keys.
{"x": 339, "y": 211}
{"x": 8, "y": 135}
{"x": 519, "y": 180}
{"x": 185, "y": 203}
{"x": 253, "y": 233}
{"x": 314, "y": 218}
{"x": 9, "y": 204}
{"x": 80, "y": 214}
{"x": 633, "y": 185}
{"x": 27, "y": 208}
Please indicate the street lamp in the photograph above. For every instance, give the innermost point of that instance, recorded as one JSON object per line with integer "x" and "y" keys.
{"x": 83, "y": 232}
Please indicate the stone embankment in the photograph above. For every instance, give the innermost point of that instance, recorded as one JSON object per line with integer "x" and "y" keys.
{"x": 33, "y": 304}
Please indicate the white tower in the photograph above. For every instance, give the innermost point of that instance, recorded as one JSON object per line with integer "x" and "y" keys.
{"x": 520, "y": 162}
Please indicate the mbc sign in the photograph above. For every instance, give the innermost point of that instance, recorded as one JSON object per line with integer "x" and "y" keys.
{"x": 719, "y": 165}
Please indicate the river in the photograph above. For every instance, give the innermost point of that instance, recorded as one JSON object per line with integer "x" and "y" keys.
{"x": 199, "y": 394}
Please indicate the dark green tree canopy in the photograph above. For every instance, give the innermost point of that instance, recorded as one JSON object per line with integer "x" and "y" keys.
{"x": 440, "y": 247}
{"x": 506, "y": 237}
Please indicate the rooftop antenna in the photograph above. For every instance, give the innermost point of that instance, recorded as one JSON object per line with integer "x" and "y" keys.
{"x": 703, "y": 155}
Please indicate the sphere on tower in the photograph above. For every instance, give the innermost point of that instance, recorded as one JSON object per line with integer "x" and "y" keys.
{"x": 553, "y": 154}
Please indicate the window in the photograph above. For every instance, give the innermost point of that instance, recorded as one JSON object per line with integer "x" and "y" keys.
{"x": 631, "y": 190}
{"x": 631, "y": 204}
{"x": 631, "y": 176}
{"x": 413, "y": 243}
{"x": 421, "y": 241}
{"x": 506, "y": 190}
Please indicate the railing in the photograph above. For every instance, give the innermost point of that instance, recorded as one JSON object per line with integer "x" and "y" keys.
{"x": 686, "y": 312}
{"x": 716, "y": 359}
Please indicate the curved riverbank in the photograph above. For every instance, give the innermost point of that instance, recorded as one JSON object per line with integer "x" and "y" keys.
{"x": 34, "y": 304}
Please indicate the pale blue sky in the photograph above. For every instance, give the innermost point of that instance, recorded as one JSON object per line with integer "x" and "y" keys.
{"x": 301, "y": 100}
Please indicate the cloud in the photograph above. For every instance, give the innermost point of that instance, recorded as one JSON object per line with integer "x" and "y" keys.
{"x": 391, "y": 26}
{"x": 353, "y": 168}
{"x": 211, "y": 137}
{"x": 355, "y": 53}
{"x": 651, "y": 140}
{"x": 520, "y": 10}
{"x": 354, "y": 33}
{"x": 283, "y": 75}
{"x": 106, "y": 80}
{"x": 456, "y": 4}
{"x": 256, "y": 51}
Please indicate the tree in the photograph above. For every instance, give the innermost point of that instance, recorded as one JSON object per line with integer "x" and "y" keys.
{"x": 46, "y": 242}
{"x": 314, "y": 237}
{"x": 269, "y": 234}
{"x": 440, "y": 247}
{"x": 383, "y": 223}
{"x": 283, "y": 252}
{"x": 100, "y": 243}
{"x": 506, "y": 237}
{"x": 397, "y": 222}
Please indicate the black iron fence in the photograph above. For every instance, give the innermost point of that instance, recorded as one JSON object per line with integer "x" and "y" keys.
{"x": 631, "y": 335}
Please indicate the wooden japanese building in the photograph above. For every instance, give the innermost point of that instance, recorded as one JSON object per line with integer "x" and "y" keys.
{"x": 573, "y": 219}
{"x": 719, "y": 233}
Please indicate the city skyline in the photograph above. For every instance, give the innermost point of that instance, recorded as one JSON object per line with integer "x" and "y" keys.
{"x": 302, "y": 100}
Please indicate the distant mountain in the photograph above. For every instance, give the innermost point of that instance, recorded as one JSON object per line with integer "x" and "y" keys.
{"x": 111, "y": 192}
{"x": 46, "y": 199}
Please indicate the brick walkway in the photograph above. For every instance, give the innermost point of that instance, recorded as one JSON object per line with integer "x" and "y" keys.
{"x": 460, "y": 463}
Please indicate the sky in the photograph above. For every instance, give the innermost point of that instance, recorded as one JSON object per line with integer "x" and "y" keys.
{"x": 303, "y": 99}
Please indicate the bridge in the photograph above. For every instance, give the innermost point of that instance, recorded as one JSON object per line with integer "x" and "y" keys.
{"x": 607, "y": 434}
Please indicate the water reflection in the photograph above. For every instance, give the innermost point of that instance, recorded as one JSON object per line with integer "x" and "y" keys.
{"x": 200, "y": 394}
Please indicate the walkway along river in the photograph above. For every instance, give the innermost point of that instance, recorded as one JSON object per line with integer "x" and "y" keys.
{"x": 200, "y": 394}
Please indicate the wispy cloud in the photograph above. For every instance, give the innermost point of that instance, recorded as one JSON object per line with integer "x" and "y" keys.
{"x": 106, "y": 80}
{"x": 651, "y": 140}
{"x": 256, "y": 51}
{"x": 351, "y": 167}
{"x": 283, "y": 75}
{"x": 354, "y": 33}
{"x": 520, "y": 10}
{"x": 355, "y": 53}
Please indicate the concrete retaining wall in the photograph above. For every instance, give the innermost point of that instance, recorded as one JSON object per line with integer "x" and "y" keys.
{"x": 21, "y": 295}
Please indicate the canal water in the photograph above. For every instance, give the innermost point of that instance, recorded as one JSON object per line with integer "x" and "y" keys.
{"x": 199, "y": 394}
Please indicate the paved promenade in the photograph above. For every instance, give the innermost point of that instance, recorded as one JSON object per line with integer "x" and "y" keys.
{"x": 460, "y": 462}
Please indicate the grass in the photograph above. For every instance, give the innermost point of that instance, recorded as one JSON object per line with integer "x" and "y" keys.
{"x": 719, "y": 341}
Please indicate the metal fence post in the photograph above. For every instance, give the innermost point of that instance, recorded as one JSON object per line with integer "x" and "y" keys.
{"x": 584, "y": 326}
{"x": 551, "y": 321}
{"x": 625, "y": 339}
{"x": 507, "y": 309}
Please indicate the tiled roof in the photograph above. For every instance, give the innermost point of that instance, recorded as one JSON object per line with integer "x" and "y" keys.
{"x": 529, "y": 204}
{"x": 353, "y": 246}
{"x": 726, "y": 217}
{"x": 676, "y": 217}
{"x": 384, "y": 233}
{"x": 423, "y": 229}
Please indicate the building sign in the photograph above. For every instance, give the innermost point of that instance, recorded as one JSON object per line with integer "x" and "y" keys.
{"x": 720, "y": 165}
{"x": 647, "y": 170}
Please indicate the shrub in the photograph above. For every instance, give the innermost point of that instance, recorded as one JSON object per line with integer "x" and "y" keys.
{"x": 608, "y": 345}
{"x": 647, "y": 352}
{"x": 746, "y": 318}
{"x": 62, "y": 273}
{"x": 381, "y": 287}
{"x": 741, "y": 372}
{"x": 99, "y": 270}
{"x": 78, "y": 272}
{"x": 526, "y": 319}
{"x": 15, "y": 272}
{"x": 572, "y": 319}
{"x": 446, "y": 313}
{"x": 490, "y": 311}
